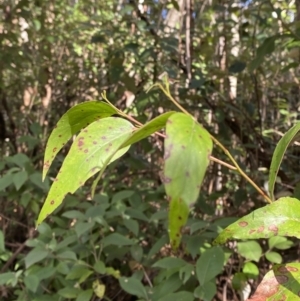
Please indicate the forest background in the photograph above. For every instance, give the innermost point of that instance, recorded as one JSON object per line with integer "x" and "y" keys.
{"x": 234, "y": 65}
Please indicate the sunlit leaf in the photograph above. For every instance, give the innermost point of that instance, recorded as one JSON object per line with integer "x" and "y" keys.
{"x": 99, "y": 289}
{"x": 87, "y": 155}
{"x": 139, "y": 134}
{"x": 148, "y": 129}
{"x": 279, "y": 218}
{"x": 278, "y": 154}
{"x": 281, "y": 283}
{"x": 187, "y": 149}
{"x": 251, "y": 250}
{"x": 70, "y": 123}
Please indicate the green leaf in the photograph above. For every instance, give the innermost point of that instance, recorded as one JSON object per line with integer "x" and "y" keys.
{"x": 239, "y": 281}
{"x": 273, "y": 257}
{"x": 70, "y": 255}
{"x": 34, "y": 256}
{"x": 20, "y": 178}
{"x": 6, "y": 278}
{"x": 99, "y": 289}
{"x": 132, "y": 226}
{"x": 279, "y": 218}
{"x": 158, "y": 245}
{"x": 6, "y": 180}
{"x": 45, "y": 272}
{"x": 80, "y": 273}
{"x": 77, "y": 118}
{"x": 180, "y": 296}
{"x": 139, "y": 134}
{"x": 184, "y": 169}
{"x": 99, "y": 267}
{"x": 281, "y": 147}
{"x": 251, "y": 270}
{"x": 122, "y": 195}
{"x": 281, "y": 283}
{"x": 267, "y": 47}
{"x": 82, "y": 227}
{"x": 186, "y": 272}
{"x": 133, "y": 287}
{"x": 85, "y": 295}
{"x": 166, "y": 286}
{"x": 88, "y": 154}
{"x": 117, "y": 240}
{"x": 279, "y": 242}
{"x": 18, "y": 159}
{"x": 148, "y": 129}
{"x": 197, "y": 226}
{"x": 2, "y": 245}
{"x": 74, "y": 214}
{"x": 251, "y": 250}
{"x": 206, "y": 292}
{"x": 210, "y": 264}
{"x": 36, "y": 179}
{"x": 32, "y": 282}
{"x": 136, "y": 252}
{"x": 170, "y": 263}
{"x": 178, "y": 215}
{"x": 112, "y": 272}
{"x": 69, "y": 292}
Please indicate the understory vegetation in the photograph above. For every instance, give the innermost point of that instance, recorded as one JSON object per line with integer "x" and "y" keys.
{"x": 149, "y": 150}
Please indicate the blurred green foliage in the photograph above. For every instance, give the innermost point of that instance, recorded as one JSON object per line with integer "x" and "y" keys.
{"x": 234, "y": 67}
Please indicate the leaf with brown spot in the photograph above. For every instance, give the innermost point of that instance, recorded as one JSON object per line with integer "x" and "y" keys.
{"x": 178, "y": 214}
{"x": 184, "y": 168}
{"x": 71, "y": 123}
{"x": 281, "y": 283}
{"x": 279, "y": 218}
{"x": 79, "y": 165}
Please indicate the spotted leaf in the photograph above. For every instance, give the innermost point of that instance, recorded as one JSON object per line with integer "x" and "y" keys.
{"x": 187, "y": 149}
{"x": 281, "y": 283}
{"x": 88, "y": 154}
{"x": 280, "y": 218}
{"x": 77, "y": 118}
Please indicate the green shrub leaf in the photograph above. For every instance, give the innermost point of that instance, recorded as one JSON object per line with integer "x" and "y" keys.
{"x": 170, "y": 263}
{"x": 273, "y": 257}
{"x": 180, "y": 296}
{"x": 20, "y": 178}
{"x": 251, "y": 270}
{"x": 116, "y": 239}
{"x": 187, "y": 149}
{"x": 134, "y": 287}
{"x": 281, "y": 283}
{"x": 279, "y": 218}
{"x": 210, "y": 264}
{"x": 206, "y": 292}
{"x": 278, "y": 154}
{"x": 88, "y": 154}
{"x": 148, "y": 129}
{"x": 75, "y": 119}
{"x": 34, "y": 256}
{"x": 251, "y": 250}
{"x": 279, "y": 242}
{"x": 2, "y": 245}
